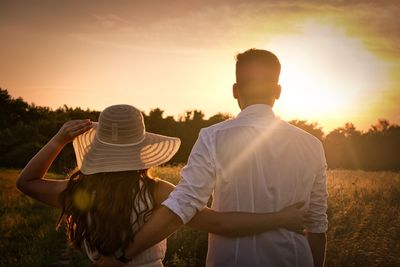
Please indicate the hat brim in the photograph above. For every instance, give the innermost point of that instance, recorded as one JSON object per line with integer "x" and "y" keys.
{"x": 93, "y": 156}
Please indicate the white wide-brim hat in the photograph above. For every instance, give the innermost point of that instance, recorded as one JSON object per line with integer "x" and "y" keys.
{"x": 119, "y": 142}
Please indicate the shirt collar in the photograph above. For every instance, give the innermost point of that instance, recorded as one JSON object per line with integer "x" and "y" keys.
{"x": 257, "y": 110}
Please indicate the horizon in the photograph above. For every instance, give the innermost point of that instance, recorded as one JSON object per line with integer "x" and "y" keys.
{"x": 177, "y": 117}
{"x": 181, "y": 57}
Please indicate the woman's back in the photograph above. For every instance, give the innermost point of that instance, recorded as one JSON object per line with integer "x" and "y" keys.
{"x": 151, "y": 257}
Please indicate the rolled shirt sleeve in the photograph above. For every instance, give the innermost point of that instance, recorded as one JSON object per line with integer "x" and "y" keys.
{"x": 318, "y": 199}
{"x": 197, "y": 181}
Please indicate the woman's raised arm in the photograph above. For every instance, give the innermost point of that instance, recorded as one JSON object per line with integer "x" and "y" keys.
{"x": 31, "y": 181}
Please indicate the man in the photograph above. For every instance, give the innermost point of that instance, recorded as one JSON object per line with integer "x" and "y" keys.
{"x": 253, "y": 163}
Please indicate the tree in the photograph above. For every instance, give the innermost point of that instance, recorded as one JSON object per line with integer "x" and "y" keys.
{"x": 312, "y": 128}
{"x": 25, "y": 128}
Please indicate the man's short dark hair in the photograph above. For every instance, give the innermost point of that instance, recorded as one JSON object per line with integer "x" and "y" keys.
{"x": 261, "y": 56}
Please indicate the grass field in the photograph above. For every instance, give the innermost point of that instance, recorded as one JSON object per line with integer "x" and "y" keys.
{"x": 364, "y": 216}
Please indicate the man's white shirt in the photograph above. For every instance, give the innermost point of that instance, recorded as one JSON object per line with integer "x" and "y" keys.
{"x": 255, "y": 163}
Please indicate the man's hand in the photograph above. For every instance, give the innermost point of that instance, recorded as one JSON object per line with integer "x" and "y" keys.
{"x": 108, "y": 262}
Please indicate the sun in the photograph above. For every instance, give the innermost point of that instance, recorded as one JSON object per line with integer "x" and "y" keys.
{"x": 326, "y": 76}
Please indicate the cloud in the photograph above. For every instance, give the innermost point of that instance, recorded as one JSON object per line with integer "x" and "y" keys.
{"x": 91, "y": 30}
{"x": 110, "y": 20}
{"x": 203, "y": 23}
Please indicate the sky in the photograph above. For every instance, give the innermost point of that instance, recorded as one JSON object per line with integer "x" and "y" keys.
{"x": 340, "y": 59}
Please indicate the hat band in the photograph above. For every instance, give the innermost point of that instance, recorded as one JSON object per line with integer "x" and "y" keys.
{"x": 130, "y": 144}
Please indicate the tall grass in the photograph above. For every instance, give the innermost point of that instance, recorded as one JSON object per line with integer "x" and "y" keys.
{"x": 364, "y": 221}
{"x": 364, "y": 224}
{"x": 364, "y": 215}
{"x": 27, "y": 228}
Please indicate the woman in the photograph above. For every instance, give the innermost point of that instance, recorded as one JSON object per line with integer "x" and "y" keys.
{"x": 111, "y": 195}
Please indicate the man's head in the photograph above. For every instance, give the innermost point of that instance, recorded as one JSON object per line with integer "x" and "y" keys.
{"x": 257, "y": 78}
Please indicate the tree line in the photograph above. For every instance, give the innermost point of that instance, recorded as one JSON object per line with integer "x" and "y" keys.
{"x": 25, "y": 128}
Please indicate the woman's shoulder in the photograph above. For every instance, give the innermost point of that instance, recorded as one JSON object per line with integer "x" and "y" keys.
{"x": 162, "y": 190}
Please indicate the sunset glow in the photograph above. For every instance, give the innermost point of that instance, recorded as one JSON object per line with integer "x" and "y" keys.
{"x": 327, "y": 75}
{"x": 181, "y": 57}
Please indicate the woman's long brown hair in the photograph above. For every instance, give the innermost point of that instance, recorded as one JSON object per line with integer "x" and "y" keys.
{"x": 106, "y": 209}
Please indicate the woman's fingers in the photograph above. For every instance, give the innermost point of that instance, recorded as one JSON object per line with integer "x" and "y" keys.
{"x": 78, "y": 127}
{"x": 298, "y": 205}
{"x": 72, "y": 129}
{"x": 81, "y": 127}
{"x": 307, "y": 219}
{"x": 295, "y": 206}
{"x": 296, "y": 217}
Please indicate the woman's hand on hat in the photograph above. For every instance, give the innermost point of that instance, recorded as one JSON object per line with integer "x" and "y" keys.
{"x": 72, "y": 129}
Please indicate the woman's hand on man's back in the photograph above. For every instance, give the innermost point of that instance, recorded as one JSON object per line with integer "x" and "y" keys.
{"x": 294, "y": 217}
